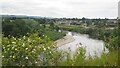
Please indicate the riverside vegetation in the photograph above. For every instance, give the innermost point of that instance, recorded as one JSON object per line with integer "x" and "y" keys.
{"x": 29, "y": 41}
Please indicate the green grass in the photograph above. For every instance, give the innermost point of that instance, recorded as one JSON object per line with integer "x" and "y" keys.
{"x": 54, "y": 35}
{"x": 110, "y": 59}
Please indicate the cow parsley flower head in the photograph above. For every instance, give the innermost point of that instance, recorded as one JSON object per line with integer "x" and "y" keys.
{"x": 13, "y": 56}
{"x": 16, "y": 49}
{"x": 23, "y": 45}
{"x": 36, "y": 62}
{"x": 26, "y": 57}
{"x": 48, "y": 47}
{"x": 14, "y": 42}
{"x": 34, "y": 49}
{"x": 10, "y": 56}
{"x": 44, "y": 49}
{"x": 26, "y": 48}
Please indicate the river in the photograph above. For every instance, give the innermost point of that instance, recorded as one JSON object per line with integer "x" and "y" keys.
{"x": 93, "y": 46}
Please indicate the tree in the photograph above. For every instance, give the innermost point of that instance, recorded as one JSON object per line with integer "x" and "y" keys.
{"x": 57, "y": 28}
{"x": 52, "y": 25}
{"x": 83, "y": 19}
{"x": 26, "y": 50}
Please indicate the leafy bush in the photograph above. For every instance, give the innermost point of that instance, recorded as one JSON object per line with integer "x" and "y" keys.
{"x": 19, "y": 26}
{"x": 25, "y": 50}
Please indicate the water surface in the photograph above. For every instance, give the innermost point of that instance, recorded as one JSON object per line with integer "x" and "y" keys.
{"x": 92, "y": 46}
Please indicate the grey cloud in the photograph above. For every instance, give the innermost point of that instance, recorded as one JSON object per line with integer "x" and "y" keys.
{"x": 61, "y": 8}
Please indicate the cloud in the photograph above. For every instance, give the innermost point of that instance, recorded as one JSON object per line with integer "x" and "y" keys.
{"x": 61, "y": 8}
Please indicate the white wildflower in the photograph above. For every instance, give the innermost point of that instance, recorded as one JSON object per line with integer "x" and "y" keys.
{"x": 48, "y": 47}
{"x": 15, "y": 38}
{"x": 3, "y": 47}
{"x": 43, "y": 46}
{"x": 26, "y": 48}
{"x": 16, "y": 49}
{"x": 26, "y": 57}
{"x": 10, "y": 56}
{"x": 13, "y": 47}
{"x": 28, "y": 40}
{"x": 27, "y": 33}
{"x": 3, "y": 56}
{"x": 23, "y": 37}
{"x": 8, "y": 48}
{"x": 13, "y": 56}
{"x": 23, "y": 45}
{"x": 19, "y": 39}
{"x": 44, "y": 49}
{"x": 36, "y": 62}
{"x": 14, "y": 42}
{"x": 34, "y": 49}
{"x": 22, "y": 55}
{"x": 33, "y": 40}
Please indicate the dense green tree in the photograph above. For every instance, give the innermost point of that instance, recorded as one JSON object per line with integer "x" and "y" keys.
{"x": 18, "y": 26}
{"x": 52, "y": 25}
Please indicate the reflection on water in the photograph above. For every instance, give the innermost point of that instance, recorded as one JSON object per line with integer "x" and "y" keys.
{"x": 92, "y": 46}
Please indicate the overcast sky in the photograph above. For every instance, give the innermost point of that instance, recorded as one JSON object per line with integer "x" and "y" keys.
{"x": 61, "y": 8}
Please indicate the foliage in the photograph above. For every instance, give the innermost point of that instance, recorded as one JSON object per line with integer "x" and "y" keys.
{"x": 20, "y": 47}
{"x": 106, "y": 59}
{"x": 32, "y": 50}
{"x": 25, "y": 50}
{"x": 98, "y": 33}
{"x": 19, "y": 26}
{"x": 113, "y": 41}
{"x": 52, "y": 25}
{"x": 54, "y": 35}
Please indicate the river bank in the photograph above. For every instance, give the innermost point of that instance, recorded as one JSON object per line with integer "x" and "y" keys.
{"x": 66, "y": 39}
{"x": 95, "y": 33}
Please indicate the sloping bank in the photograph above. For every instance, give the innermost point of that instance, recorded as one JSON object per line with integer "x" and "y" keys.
{"x": 66, "y": 39}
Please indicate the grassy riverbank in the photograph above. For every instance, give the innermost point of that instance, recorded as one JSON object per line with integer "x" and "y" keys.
{"x": 54, "y": 35}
